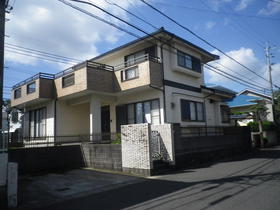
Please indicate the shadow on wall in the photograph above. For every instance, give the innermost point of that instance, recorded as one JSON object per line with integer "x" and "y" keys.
{"x": 47, "y": 159}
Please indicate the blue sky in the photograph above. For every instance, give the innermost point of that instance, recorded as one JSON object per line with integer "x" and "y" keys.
{"x": 238, "y": 27}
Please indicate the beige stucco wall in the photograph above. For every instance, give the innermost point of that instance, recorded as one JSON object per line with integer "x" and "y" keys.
{"x": 80, "y": 83}
{"x": 72, "y": 119}
{"x": 143, "y": 76}
{"x": 44, "y": 89}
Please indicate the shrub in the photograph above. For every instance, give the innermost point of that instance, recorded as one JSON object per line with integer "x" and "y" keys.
{"x": 118, "y": 139}
{"x": 267, "y": 126}
{"x": 254, "y": 126}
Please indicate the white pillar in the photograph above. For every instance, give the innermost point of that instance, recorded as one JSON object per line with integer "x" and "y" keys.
{"x": 95, "y": 118}
{"x": 113, "y": 118}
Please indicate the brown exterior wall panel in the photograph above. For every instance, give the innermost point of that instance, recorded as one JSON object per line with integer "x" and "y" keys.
{"x": 100, "y": 80}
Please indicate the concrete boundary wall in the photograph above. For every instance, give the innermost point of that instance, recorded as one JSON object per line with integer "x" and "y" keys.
{"x": 103, "y": 156}
{"x": 46, "y": 159}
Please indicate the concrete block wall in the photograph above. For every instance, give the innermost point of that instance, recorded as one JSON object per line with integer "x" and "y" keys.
{"x": 136, "y": 156}
{"x": 103, "y": 156}
{"x": 140, "y": 144}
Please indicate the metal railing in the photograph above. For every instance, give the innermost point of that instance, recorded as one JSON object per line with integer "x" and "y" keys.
{"x": 137, "y": 60}
{"x": 40, "y": 75}
{"x": 201, "y": 131}
{"x": 50, "y": 141}
{"x": 91, "y": 64}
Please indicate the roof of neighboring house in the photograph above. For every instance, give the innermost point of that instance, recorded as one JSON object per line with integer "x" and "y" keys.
{"x": 161, "y": 30}
{"x": 219, "y": 89}
{"x": 243, "y": 100}
{"x": 246, "y": 91}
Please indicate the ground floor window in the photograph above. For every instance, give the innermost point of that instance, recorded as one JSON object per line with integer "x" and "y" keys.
{"x": 192, "y": 111}
{"x": 37, "y": 122}
{"x": 140, "y": 112}
{"x": 225, "y": 113}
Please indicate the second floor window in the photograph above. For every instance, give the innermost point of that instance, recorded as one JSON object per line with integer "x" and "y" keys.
{"x": 192, "y": 111}
{"x": 17, "y": 93}
{"x": 31, "y": 88}
{"x": 68, "y": 80}
{"x": 225, "y": 113}
{"x": 129, "y": 74}
{"x": 187, "y": 61}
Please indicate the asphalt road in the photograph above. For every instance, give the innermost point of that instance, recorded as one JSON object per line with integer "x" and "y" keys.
{"x": 248, "y": 183}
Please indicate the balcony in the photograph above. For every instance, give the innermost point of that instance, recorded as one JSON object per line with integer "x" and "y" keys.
{"x": 37, "y": 88}
{"x": 84, "y": 78}
{"x": 139, "y": 72}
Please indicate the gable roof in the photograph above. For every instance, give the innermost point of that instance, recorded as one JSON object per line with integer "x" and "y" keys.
{"x": 244, "y": 92}
{"x": 160, "y": 31}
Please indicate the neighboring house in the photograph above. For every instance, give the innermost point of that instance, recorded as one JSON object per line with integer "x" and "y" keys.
{"x": 245, "y": 102}
{"x": 141, "y": 81}
{"x": 7, "y": 123}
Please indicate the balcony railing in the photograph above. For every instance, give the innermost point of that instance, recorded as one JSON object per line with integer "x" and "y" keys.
{"x": 92, "y": 64}
{"x": 40, "y": 75}
{"x": 137, "y": 60}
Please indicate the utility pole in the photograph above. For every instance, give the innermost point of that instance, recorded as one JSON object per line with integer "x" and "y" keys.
{"x": 2, "y": 36}
{"x": 268, "y": 60}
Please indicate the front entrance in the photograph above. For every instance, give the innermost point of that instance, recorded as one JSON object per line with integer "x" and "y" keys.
{"x": 105, "y": 122}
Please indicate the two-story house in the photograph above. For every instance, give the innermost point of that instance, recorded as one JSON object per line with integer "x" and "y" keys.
{"x": 146, "y": 80}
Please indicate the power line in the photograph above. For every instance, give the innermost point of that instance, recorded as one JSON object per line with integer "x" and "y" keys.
{"x": 275, "y": 1}
{"x": 217, "y": 12}
{"x": 235, "y": 80}
{"x": 242, "y": 76}
{"x": 136, "y": 16}
{"x": 204, "y": 40}
{"x": 250, "y": 83}
{"x": 38, "y": 57}
{"x": 39, "y": 54}
{"x": 43, "y": 52}
{"x": 90, "y": 14}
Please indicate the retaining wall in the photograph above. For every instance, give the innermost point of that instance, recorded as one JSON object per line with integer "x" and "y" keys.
{"x": 46, "y": 159}
{"x": 103, "y": 156}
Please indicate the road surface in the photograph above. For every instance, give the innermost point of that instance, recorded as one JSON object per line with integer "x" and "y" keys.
{"x": 249, "y": 183}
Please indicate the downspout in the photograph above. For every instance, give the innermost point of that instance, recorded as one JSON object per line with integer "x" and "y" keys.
{"x": 163, "y": 85}
{"x": 55, "y": 100}
{"x": 204, "y": 99}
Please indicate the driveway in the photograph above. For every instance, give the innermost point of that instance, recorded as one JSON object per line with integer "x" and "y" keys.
{"x": 46, "y": 189}
{"x": 248, "y": 183}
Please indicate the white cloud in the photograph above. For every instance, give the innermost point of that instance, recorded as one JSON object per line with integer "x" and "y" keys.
{"x": 271, "y": 9}
{"x": 216, "y": 4}
{"x": 243, "y": 4}
{"x": 210, "y": 24}
{"x": 56, "y": 28}
{"x": 247, "y": 57}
